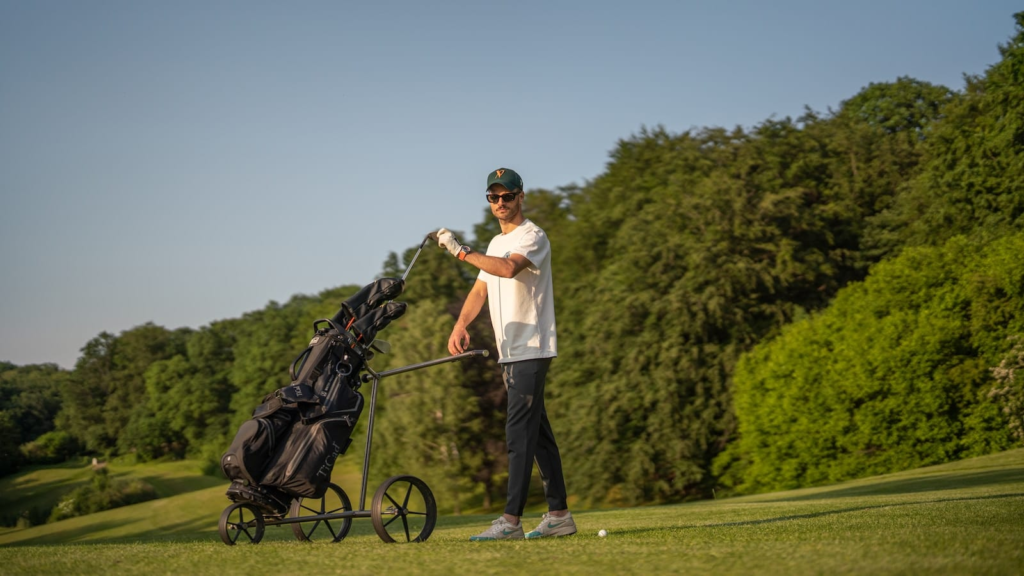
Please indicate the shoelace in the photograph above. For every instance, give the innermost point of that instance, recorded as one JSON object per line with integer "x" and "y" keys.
{"x": 496, "y": 526}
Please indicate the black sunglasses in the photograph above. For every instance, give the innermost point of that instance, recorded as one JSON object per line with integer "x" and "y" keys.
{"x": 507, "y": 197}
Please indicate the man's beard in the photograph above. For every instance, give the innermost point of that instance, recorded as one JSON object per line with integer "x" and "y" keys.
{"x": 508, "y": 215}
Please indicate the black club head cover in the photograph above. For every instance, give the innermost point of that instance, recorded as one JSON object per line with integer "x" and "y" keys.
{"x": 367, "y": 326}
{"x": 368, "y": 298}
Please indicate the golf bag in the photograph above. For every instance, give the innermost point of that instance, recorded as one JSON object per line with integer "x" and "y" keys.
{"x": 289, "y": 447}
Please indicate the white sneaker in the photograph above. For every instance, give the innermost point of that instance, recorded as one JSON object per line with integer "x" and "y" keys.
{"x": 554, "y": 526}
{"x": 501, "y": 529}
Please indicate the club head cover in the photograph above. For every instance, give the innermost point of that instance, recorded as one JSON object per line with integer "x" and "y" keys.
{"x": 368, "y": 298}
{"x": 367, "y": 326}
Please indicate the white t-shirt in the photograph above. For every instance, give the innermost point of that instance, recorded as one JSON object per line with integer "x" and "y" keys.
{"x": 523, "y": 308}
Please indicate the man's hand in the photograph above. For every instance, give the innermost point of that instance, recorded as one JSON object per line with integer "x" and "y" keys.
{"x": 448, "y": 241}
{"x": 458, "y": 342}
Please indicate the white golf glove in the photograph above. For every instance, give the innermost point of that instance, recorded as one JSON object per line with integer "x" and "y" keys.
{"x": 448, "y": 241}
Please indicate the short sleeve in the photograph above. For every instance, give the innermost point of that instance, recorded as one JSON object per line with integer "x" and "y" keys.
{"x": 534, "y": 246}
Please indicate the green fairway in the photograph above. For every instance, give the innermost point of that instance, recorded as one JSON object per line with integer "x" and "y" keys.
{"x": 963, "y": 517}
{"x": 42, "y": 487}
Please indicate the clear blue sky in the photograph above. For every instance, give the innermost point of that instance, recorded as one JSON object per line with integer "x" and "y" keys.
{"x": 182, "y": 162}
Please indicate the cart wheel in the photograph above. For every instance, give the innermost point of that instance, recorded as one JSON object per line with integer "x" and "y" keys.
{"x": 403, "y": 510}
{"x": 334, "y": 501}
{"x": 238, "y": 520}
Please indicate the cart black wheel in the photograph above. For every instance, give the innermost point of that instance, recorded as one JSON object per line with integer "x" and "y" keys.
{"x": 241, "y": 522}
{"x": 334, "y": 501}
{"x": 403, "y": 510}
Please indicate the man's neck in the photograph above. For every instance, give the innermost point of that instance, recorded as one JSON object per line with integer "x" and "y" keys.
{"x": 510, "y": 225}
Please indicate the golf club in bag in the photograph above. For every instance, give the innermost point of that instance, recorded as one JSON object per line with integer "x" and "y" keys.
{"x": 289, "y": 446}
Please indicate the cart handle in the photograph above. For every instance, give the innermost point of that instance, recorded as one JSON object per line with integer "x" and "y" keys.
{"x": 411, "y": 367}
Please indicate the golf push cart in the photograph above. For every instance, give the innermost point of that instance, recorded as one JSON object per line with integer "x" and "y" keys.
{"x": 281, "y": 459}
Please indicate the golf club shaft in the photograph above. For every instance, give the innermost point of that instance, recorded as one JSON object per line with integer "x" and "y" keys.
{"x": 431, "y": 236}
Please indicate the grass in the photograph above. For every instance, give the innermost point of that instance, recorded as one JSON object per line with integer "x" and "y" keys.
{"x": 42, "y": 487}
{"x": 963, "y": 517}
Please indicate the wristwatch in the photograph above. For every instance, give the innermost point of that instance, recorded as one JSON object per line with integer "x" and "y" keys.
{"x": 464, "y": 251}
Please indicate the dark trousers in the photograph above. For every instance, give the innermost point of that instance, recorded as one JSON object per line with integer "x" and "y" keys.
{"x": 529, "y": 436}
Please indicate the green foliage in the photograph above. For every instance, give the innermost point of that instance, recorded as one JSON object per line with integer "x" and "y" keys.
{"x": 54, "y": 446}
{"x": 893, "y": 375}
{"x": 973, "y": 181}
{"x": 10, "y": 438}
{"x": 108, "y": 384}
{"x": 30, "y": 399}
{"x": 429, "y": 421}
{"x": 446, "y": 423}
{"x": 1009, "y": 388}
{"x": 103, "y": 493}
{"x": 32, "y": 395}
{"x": 187, "y": 397}
{"x": 905, "y": 106}
{"x": 686, "y": 252}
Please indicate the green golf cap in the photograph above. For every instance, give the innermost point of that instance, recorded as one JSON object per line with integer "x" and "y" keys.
{"x": 507, "y": 177}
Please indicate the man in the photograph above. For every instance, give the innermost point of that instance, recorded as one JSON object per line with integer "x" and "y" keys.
{"x": 515, "y": 280}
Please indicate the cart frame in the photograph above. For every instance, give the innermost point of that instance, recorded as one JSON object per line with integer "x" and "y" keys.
{"x": 232, "y": 530}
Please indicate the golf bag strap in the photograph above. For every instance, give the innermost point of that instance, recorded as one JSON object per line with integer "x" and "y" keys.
{"x": 301, "y": 394}
{"x": 309, "y": 360}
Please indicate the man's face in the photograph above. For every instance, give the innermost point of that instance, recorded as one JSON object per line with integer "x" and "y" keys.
{"x": 502, "y": 210}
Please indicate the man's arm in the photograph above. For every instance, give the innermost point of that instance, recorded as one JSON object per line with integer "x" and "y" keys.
{"x": 500, "y": 267}
{"x": 458, "y": 342}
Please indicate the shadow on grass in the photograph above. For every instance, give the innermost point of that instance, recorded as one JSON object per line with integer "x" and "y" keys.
{"x": 824, "y": 513}
{"x": 42, "y": 494}
{"x": 205, "y": 528}
{"x": 180, "y": 485}
{"x": 197, "y": 529}
{"x": 189, "y": 530}
{"x": 931, "y": 483}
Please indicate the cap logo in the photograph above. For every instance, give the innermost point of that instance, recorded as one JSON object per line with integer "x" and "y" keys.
{"x": 499, "y": 172}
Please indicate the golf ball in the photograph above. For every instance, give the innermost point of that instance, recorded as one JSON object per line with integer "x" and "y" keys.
{"x": 602, "y": 533}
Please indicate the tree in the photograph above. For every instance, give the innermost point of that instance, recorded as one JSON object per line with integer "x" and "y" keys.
{"x": 84, "y": 394}
{"x": 31, "y": 394}
{"x": 108, "y": 385}
{"x": 188, "y": 396}
{"x": 10, "y": 438}
{"x": 468, "y": 452}
{"x": 686, "y": 252}
{"x": 894, "y": 374}
{"x": 430, "y": 422}
{"x": 973, "y": 182}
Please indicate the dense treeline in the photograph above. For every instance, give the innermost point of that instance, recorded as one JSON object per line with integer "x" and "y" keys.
{"x": 697, "y": 279}
{"x": 917, "y": 364}
{"x": 895, "y": 373}
{"x": 690, "y": 249}
{"x": 29, "y": 402}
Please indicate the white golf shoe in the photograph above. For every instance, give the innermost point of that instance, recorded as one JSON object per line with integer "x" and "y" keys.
{"x": 501, "y": 529}
{"x": 554, "y": 526}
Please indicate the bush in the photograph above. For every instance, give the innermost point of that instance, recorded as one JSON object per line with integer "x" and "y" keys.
{"x": 103, "y": 493}
{"x": 33, "y": 516}
{"x": 10, "y": 436}
{"x": 894, "y": 374}
{"x": 1009, "y": 389}
{"x": 52, "y": 447}
{"x": 209, "y": 457}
